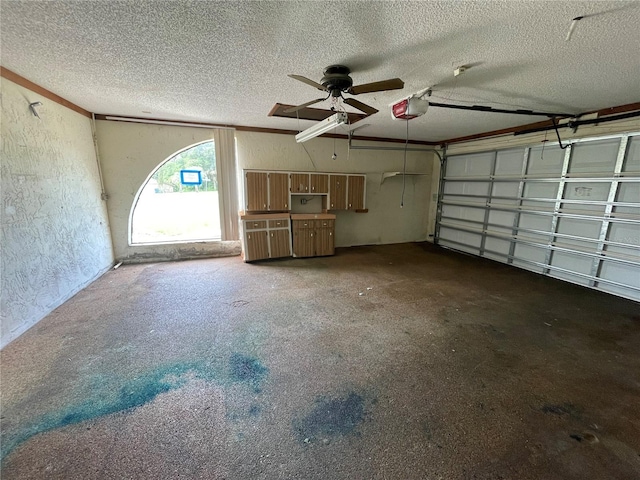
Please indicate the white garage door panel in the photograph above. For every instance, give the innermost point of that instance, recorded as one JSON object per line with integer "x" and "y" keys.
{"x": 466, "y": 213}
{"x": 536, "y": 222}
{"x": 496, "y": 245}
{"x": 509, "y": 162}
{"x": 597, "y": 156}
{"x": 619, "y": 273}
{"x": 573, "y": 213}
{"x": 625, "y": 233}
{"x": 546, "y": 161}
{"x": 572, "y": 263}
{"x": 497, "y": 217}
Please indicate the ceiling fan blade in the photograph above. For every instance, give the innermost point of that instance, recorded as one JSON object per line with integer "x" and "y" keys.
{"x": 391, "y": 84}
{"x": 300, "y": 107}
{"x": 309, "y": 82}
{"x": 360, "y": 106}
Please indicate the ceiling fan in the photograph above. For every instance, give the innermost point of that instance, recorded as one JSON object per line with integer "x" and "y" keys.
{"x": 336, "y": 81}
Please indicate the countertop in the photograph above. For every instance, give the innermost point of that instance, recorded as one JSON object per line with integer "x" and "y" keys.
{"x": 263, "y": 216}
{"x": 313, "y": 216}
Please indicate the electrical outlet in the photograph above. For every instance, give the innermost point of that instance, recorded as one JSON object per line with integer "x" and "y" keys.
{"x": 303, "y": 201}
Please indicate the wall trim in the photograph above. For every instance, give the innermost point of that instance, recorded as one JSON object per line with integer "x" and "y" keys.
{"x": 23, "y": 82}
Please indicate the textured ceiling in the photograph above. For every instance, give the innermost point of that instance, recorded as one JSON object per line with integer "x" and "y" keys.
{"x": 227, "y": 62}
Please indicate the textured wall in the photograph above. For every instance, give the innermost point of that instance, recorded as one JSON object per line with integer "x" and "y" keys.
{"x": 129, "y": 152}
{"x": 54, "y": 229}
{"x": 385, "y": 222}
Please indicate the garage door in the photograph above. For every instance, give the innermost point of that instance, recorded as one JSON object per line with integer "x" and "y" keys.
{"x": 572, "y": 214}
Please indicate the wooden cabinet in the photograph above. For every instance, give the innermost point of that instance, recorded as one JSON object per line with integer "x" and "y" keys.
{"x": 319, "y": 183}
{"x": 278, "y": 191}
{"x": 355, "y": 192}
{"x": 256, "y": 245}
{"x": 256, "y": 191}
{"x": 325, "y": 237}
{"x": 266, "y": 191}
{"x": 266, "y": 236}
{"x": 313, "y": 237}
{"x": 299, "y": 183}
{"x": 337, "y": 192}
{"x": 303, "y": 241}
{"x": 279, "y": 243}
{"x": 272, "y": 191}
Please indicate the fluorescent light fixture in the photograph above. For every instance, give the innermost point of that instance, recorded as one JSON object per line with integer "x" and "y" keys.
{"x": 322, "y": 127}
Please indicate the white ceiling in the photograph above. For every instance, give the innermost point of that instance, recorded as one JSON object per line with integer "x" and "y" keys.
{"x": 227, "y": 62}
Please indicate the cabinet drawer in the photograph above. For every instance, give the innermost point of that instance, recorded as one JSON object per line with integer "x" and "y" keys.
{"x": 303, "y": 223}
{"x": 325, "y": 223}
{"x": 255, "y": 224}
{"x": 284, "y": 223}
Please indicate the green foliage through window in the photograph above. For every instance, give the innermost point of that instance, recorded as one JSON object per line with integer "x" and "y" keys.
{"x": 201, "y": 157}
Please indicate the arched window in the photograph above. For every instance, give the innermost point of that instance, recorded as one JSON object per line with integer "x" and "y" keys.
{"x": 179, "y": 200}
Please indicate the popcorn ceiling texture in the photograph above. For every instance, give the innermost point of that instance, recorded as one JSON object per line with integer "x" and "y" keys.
{"x": 54, "y": 228}
{"x": 227, "y": 62}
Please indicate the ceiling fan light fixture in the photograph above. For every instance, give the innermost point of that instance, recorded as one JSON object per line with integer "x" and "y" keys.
{"x": 323, "y": 126}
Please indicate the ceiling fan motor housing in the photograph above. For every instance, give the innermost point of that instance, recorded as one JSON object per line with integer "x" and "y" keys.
{"x": 336, "y": 79}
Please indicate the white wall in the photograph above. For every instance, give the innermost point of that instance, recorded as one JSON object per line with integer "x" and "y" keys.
{"x": 385, "y": 222}
{"x": 129, "y": 152}
{"x": 54, "y": 228}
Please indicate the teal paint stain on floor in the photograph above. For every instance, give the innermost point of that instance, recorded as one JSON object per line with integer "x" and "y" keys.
{"x": 247, "y": 369}
{"x": 139, "y": 391}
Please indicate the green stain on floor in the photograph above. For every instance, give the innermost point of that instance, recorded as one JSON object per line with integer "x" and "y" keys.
{"x": 139, "y": 391}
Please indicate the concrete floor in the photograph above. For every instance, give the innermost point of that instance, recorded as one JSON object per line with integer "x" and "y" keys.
{"x": 387, "y": 362}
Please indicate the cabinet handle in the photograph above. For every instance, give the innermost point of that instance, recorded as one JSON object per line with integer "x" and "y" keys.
{"x": 272, "y": 235}
{"x": 349, "y": 205}
{"x": 330, "y": 233}
{"x": 313, "y": 189}
{"x": 265, "y": 205}
{"x": 249, "y": 237}
{"x": 285, "y": 205}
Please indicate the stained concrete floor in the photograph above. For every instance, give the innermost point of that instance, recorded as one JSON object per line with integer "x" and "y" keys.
{"x": 387, "y": 362}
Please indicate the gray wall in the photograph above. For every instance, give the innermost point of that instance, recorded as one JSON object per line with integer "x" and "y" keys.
{"x": 54, "y": 228}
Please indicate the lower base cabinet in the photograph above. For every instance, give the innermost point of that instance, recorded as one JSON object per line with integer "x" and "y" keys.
{"x": 313, "y": 238}
{"x": 269, "y": 238}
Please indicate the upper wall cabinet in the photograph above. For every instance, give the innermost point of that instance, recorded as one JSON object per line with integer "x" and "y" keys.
{"x": 266, "y": 191}
{"x": 355, "y": 192}
{"x": 319, "y": 183}
{"x": 299, "y": 182}
{"x": 347, "y": 192}
{"x": 271, "y": 191}
{"x": 337, "y": 192}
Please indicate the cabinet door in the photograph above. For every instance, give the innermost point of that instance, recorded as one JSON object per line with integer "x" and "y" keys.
{"x": 256, "y": 246}
{"x": 278, "y": 191}
{"x": 337, "y": 192}
{"x": 325, "y": 237}
{"x": 279, "y": 241}
{"x": 256, "y": 191}
{"x": 319, "y": 183}
{"x": 300, "y": 183}
{"x": 303, "y": 238}
{"x": 356, "y": 192}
